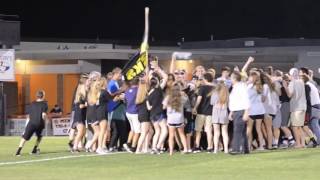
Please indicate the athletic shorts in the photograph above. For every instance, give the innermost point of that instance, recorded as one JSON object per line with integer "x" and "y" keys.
{"x": 158, "y": 118}
{"x": 30, "y": 129}
{"x": 176, "y": 125}
{"x": 297, "y": 118}
{"x": 276, "y": 123}
{"x": 203, "y": 121}
{"x": 272, "y": 116}
{"x": 73, "y": 121}
{"x": 256, "y": 117}
{"x": 134, "y": 122}
{"x": 94, "y": 122}
{"x": 285, "y": 114}
{"x": 189, "y": 128}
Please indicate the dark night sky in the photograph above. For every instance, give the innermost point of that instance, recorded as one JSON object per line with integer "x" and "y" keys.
{"x": 170, "y": 19}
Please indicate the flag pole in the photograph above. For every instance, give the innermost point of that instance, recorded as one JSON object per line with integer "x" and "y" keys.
{"x": 146, "y": 38}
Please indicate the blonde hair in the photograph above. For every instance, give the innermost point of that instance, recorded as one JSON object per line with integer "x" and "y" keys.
{"x": 142, "y": 92}
{"x": 103, "y": 83}
{"x": 94, "y": 92}
{"x": 80, "y": 93}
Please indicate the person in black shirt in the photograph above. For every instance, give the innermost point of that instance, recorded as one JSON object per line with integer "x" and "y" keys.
{"x": 93, "y": 96}
{"x": 285, "y": 112}
{"x": 154, "y": 105}
{"x": 203, "y": 110}
{"x": 101, "y": 110}
{"x": 97, "y": 100}
{"x": 79, "y": 115}
{"x": 56, "y": 111}
{"x": 143, "y": 115}
{"x": 36, "y": 122}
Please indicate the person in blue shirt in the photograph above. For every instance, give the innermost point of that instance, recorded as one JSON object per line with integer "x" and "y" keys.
{"x": 116, "y": 112}
{"x": 132, "y": 115}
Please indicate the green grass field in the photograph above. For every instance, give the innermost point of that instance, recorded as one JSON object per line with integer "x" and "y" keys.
{"x": 284, "y": 164}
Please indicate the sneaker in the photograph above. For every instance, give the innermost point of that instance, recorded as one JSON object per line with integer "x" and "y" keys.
{"x": 127, "y": 148}
{"x": 35, "y": 151}
{"x": 133, "y": 150}
{"x": 184, "y": 152}
{"x": 292, "y": 143}
{"x": 155, "y": 151}
{"x": 196, "y": 150}
{"x": 210, "y": 150}
{"x": 163, "y": 150}
{"x": 246, "y": 152}
{"x": 105, "y": 150}
{"x": 274, "y": 146}
{"x": 234, "y": 153}
{"x": 74, "y": 150}
{"x": 190, "y": 151}
{"x": 70, "y": 144}
{"x": 112, "y": 149}
{"x": 88, "y": 150}
{"x": 283, "y": 146}
{"x": 146, "y": 151}
{"x": 100, "y": 151}
{"x": 260, "y": 149}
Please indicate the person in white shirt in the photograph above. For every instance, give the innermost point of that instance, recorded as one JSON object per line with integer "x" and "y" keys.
{"x": 298, "y": 105}
{"x": 315, "y": 111}
{"x": 256, "y": 111}
{"x": 239, "y": 105}
{"x": 307, "y": 131}
{"x": 315, "y": 103}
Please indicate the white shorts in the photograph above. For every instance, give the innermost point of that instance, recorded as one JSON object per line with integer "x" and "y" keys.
{"x": 134, "y": 122}
{"x": 297, "y": 118}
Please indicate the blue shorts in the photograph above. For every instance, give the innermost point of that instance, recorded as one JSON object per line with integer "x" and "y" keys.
{"x": 189, "y": 127}
{"x": 158, "y": 118}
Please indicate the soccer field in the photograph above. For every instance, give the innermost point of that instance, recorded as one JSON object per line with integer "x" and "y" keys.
{"x": 55, "y": 162}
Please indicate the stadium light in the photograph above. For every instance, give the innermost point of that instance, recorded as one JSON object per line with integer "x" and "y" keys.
{"x": 182, "y": 55}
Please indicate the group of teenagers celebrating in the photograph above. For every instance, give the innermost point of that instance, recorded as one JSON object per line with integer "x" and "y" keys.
{"x": 156, "y": 112}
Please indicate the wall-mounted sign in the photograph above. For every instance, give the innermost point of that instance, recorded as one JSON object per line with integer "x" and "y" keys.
{"x": 7, "y": 65}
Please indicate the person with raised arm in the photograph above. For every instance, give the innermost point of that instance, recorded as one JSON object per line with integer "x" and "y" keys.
{"x": 154, "y": 105}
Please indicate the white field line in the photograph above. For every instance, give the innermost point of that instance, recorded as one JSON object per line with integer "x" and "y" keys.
{"x": 55, "y": 158}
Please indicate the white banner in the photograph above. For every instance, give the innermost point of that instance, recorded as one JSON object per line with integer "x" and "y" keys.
{"x": 60, "y": 126}
{"x": 7, "y": 65}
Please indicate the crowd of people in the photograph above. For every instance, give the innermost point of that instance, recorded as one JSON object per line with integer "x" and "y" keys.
{"x": 243, "y": 110}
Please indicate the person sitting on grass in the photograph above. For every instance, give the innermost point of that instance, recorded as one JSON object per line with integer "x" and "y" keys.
{"x": 35, "y": 123}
